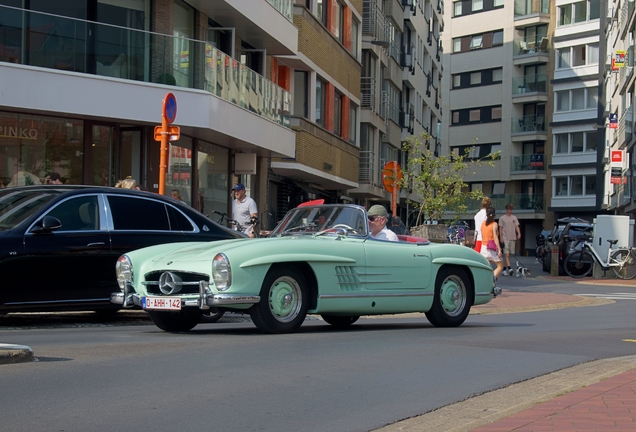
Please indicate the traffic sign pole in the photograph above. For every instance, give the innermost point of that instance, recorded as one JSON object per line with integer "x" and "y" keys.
{"x": 394, "y": 193}
{"x": 163, "y": 158}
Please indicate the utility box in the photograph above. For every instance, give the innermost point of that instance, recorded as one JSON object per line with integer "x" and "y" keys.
{"x": 611, "y": 227}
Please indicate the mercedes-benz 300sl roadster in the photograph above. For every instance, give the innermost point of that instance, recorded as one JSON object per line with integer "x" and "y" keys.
{"x": 320, "y": 259}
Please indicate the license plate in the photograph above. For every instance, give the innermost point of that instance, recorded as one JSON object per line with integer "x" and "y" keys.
{"x": 161, "y": 303}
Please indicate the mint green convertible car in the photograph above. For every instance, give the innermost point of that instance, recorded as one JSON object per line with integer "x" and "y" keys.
{"x": 320, "y": 260}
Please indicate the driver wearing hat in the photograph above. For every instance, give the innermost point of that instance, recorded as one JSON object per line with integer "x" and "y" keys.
{"x": 377, "y": 215}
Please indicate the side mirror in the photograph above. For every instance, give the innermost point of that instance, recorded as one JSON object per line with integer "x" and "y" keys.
{"x": 46, "y": 224}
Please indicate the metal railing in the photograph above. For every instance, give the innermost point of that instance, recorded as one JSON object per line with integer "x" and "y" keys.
{"x": 529, "y": 84}
{"x": 528, "y": 123}
{"x": 367, "y": 166}
{"x": 62, "y": 43}
{"x": 529, "y": 7}
{"x": 528, "y": 162}
{"x": 367, "y": 93}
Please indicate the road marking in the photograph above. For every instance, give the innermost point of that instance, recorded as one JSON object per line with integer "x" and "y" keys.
{"x": 612, "y": 296}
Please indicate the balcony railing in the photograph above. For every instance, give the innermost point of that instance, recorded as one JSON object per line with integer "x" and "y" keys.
{"x": 390, "y": 111}
{"x": 57, "y": 42}
{"x": 373, "y": 20}
{"x": 531, "y": 45}
{"x": 285, "y": 7}
{"x": 528, "y": 123}
{"x": 365, "y": 173}
{"x": 530, "y": 7}
{"x": 529, "y": 84}
{"x": 367, "y": 90}
{"x": 528, "y": 162}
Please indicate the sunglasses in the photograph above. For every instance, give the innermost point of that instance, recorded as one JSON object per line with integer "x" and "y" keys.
{"x": 372, "y": 218}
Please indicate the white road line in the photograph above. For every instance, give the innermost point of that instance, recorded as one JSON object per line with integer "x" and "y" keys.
{"x": 612, "y": 296}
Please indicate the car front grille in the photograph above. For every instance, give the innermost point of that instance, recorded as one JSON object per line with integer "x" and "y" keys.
{"x": 189, "y": 282}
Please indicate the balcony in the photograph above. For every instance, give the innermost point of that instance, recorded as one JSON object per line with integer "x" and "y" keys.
{"x": 531, "y": 7}
{"x": 529, "y": 84}
{"x": 368, "y": 93}
{"x": 407, "y": 118}
{"x": 528, "y": 162}
{"x": 528, "y": 128}
{"x": 367, "y": 167}
{"x": 530, "y": 50}
{"x": 374, "y": 23}
{"x": 285, "y": 7}
{"x": 111, "y": 51}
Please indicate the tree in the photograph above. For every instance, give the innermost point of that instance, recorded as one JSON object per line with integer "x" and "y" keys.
{"x": 438, "y": 180}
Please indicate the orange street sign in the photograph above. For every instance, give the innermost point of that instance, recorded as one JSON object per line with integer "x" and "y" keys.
{"x": 173, "y": 132}
{"x": 391, "y": 175}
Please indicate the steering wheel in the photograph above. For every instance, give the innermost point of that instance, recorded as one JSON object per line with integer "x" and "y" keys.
{"x": 347, "y": 227}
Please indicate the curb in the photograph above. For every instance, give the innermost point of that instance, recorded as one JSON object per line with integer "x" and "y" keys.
{"x": 15, "y": 354}
{"x": 497, "y": 404}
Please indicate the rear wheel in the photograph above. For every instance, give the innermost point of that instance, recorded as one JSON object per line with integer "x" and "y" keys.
{"x": 182, "y": 321}
{"x": 340, "y": 321}
{"x": 578, "y": 264}
{"x": 627, "y": 270}
{"x": 453, "y": 298}
{"x": 284, "y": 301}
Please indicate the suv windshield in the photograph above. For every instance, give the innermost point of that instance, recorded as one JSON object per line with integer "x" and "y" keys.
{"x": 17, "y": 206}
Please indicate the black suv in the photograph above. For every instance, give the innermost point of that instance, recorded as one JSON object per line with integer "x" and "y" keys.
{"x": 568, "y": 234}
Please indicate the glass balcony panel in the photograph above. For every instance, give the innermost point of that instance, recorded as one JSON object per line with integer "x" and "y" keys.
{"x": 62, "y": 43}
{"x": 528, "y": 123}
{"x": 285, "y": 7}
{"x": 530, "y": 7}
{"x": 528, "y": 162}
{"x": 531, "y": 45}
{"x": 529, "y": 84}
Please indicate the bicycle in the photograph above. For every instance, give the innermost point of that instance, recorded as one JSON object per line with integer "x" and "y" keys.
{"x": 234, "y": 224}
{"x": 622, "y": 260}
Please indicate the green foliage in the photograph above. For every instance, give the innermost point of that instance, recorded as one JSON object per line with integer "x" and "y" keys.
{"x": 437, "y": 182}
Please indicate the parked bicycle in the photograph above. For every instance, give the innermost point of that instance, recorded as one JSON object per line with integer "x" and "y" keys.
{"x": 542, "y": 251}
{"x": 234, "y": 224}
{"x": 622, "y": 260}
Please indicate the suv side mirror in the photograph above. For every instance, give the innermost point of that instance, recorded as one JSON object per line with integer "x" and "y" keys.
{"x": 46, "y": 224}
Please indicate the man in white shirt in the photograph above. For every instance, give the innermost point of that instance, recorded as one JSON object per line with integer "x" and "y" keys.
{"x": 243, "y": 209}
{"x": 480, "y": 218}
{"x": 377, "y": 215}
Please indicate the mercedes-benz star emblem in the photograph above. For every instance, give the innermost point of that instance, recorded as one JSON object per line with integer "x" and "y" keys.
{"x": 169, "y": 283}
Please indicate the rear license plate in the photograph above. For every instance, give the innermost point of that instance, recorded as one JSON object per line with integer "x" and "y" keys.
{"x": 161, "y": 303}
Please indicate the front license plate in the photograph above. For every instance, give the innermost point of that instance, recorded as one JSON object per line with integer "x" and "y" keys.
{"x": 161, "y": 303}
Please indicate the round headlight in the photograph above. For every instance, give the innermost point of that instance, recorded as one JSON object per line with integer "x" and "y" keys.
{"x": 124, "y": 271}
{"x": 221, "y": 272}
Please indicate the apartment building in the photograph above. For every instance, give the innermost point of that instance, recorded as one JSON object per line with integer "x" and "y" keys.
{"x": 577, "y": 184}
{"x": 82, "y": 83}
{"x": 325, "y": 83}
{"x": 400, "y": 89}
{"x": 497, "y": 64}
{"x": 619, "y": 87}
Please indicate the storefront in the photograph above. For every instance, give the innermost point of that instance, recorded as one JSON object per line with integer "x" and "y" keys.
{"x": 98, "y": 153}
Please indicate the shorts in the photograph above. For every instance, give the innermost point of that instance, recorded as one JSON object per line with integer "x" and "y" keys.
{"x": 490, "y": 255}
{"x": 509, "y": 247}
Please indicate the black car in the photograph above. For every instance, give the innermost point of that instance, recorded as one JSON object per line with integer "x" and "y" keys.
{"x": 568, "y": 235}
{"x": 59, "y": 244}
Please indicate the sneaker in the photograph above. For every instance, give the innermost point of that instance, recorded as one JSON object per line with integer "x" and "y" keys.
{"x": 505, "y": 272}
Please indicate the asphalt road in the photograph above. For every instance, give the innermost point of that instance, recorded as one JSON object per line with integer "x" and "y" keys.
{"x": 226, "y": 376}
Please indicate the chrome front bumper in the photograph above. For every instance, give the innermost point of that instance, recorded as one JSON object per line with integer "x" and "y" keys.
{"x": 203, "y": 300}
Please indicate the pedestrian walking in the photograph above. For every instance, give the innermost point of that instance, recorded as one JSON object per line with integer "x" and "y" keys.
{"x": 509, "y": 233}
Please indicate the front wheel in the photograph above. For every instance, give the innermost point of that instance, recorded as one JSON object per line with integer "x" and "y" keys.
{"x": 175, "y": 322}
{"x": 340, "y": 321}
{"x": 627, "y": 258}
{"x": 453, "y": 298}
{"x": 578, "y": 264}
{"x": 284, "y": 301}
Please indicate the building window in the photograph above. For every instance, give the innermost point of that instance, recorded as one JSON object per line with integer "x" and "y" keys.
{"x": 337, "y": 113}
{"x": 561, "y": 186}
{"x": 321, "y": 99}
{"x": 353, "y": 122}
{"x": 476, "y": 42}
{"x": 354, "y": 37}
{"x": 477, "y": 5}
{"x": 457, "y": 45}
{"x": 578, "y": 12}
{"x": 474, "y": 115}
{"x": 497, "y": 75}
{"x": 577, "y": 142}
{"x": 339, "y": 28}
{"x": 475, "y": 78}
{"x": 497, "y": 38}
{"x": 563, "y": 100}
{"x": 592, "y": 97}
{"x": 455, "y": 117}
{"x": 457, "y": 8}
{"x": 576, "y": 185}
{"x": 590, "y": 141}
{"x": 495, "y": 113}
{"x": 300, "y": 94}
{"x": 578, "y": 99}
{"x": 498, "y": 3}
{"x": 457, "y": 81}
{"x": 561, "y": 144}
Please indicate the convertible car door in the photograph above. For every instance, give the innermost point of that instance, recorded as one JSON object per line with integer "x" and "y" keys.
{"x": 64, "y": 266}
{"x": 397, "y": 266}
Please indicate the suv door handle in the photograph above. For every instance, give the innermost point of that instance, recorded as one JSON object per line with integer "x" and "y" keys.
{"x": 96, "y": 244}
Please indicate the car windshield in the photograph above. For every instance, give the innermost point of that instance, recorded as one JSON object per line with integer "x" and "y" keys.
{"x": 17, "y": 205}
{"x": 324, "y": 219}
